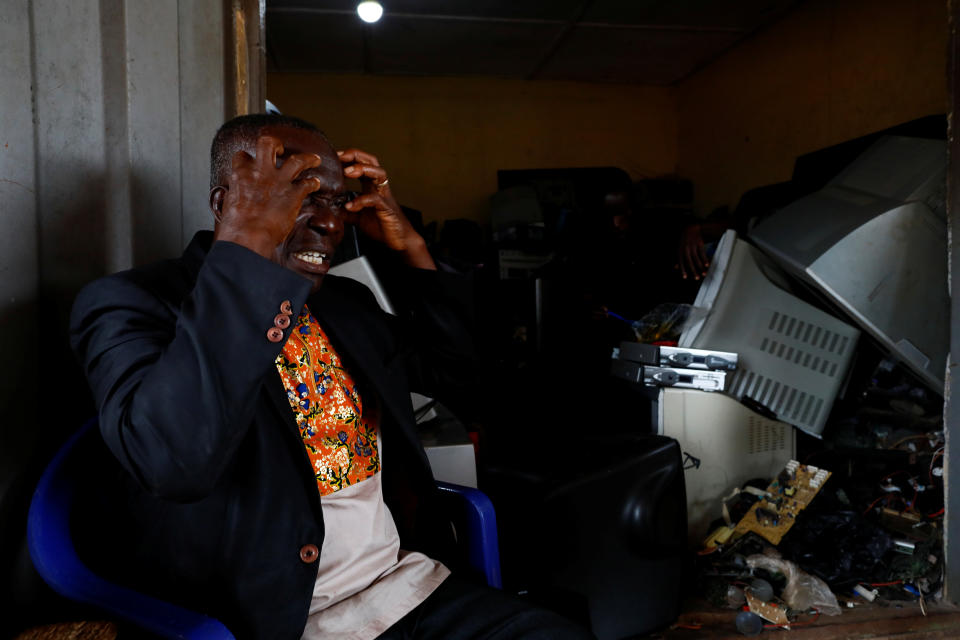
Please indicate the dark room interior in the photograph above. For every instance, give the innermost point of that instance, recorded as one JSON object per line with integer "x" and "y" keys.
{"x": 706, "y": 251}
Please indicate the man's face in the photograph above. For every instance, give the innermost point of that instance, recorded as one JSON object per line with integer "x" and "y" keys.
{"x": 318, "y": 230}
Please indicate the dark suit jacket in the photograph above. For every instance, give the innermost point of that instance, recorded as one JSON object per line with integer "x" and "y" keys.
{"x": 214, "y": 497}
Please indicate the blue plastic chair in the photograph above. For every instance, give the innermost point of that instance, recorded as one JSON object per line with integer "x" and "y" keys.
{"x": 55, "y": 558}
{"x": 483, "y": 550}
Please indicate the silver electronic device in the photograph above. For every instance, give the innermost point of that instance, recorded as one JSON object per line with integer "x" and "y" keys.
{"x": 656, "y": 366}
{"x": 698, "y": 359}
{"x": 680, "y": 357}
{"x": 684, "y": 378}
{"x": 652, "y": 376}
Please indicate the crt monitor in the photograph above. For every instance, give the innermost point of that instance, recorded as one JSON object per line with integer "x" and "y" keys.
{"x": 793, "y": 357}
{"x": 873, "y": 243}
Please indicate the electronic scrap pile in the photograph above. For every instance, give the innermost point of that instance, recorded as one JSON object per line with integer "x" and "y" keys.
{"x": 812, "y": 543}
{"x": 789, "y": 494}
{"x": 773, "y": 510}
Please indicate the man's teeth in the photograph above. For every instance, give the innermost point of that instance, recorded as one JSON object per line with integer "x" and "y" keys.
{"x": 313, "y": 257}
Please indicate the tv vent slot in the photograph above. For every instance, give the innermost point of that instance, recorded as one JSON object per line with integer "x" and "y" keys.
{"x": 735, "y": 381}
{"x": 791, "y": 354}
{"x": 786, "y": 325}
{"x": 843, "y": 346}
{"x": 816, "y": 411}
{"x": 756, "y": 385}
{"x": 800, "y": 327}
{"x": 790, "y": 399}
{"x": 779, "y": 395}
{"x": 748, "y": 382}
{"x": 762, "y": 395}
{"x": 765, "y": 436}
{"x": 826, "y": 338}
{"x": 752, "y": 385}
{"x": 807, "y": 408}
{"x": 768, "y": 397}
{"x": 798, "y": 407}
{"x": 789, "y": 404}
{"x": 742, "y": 383}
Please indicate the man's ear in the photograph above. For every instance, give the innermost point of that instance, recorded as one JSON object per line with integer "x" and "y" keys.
{"x": 217, "y": 195}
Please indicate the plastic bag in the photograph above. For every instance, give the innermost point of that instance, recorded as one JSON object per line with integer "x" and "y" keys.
{"x": 803, "y": 590}
{"x": 665, "y": 322}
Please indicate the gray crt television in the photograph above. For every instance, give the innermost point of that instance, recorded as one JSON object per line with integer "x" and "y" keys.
{"x": 873, "y": 243}
{"x": 793, "y": 357}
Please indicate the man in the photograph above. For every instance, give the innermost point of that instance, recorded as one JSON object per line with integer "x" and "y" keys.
{"x": 269, "y": 469}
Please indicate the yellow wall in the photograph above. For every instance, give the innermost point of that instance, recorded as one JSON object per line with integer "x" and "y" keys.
{"x": 827, "y": 72}
{"x": 443, "y": 139}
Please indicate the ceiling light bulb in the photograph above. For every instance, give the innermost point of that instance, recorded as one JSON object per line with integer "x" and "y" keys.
{"x": 369, "y": 11}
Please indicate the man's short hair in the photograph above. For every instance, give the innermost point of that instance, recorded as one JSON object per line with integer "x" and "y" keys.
{"x": 241, "y": 133}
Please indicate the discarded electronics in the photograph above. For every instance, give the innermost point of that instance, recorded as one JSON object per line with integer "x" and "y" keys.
{"x": 794, "y": 357}
{"x": 656, "y": 366}
{"x": 789, "y": 494}
{"x": 731, "y": 442}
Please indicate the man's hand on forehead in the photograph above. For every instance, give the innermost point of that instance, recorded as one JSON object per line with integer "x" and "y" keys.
{"x": 376, "y": 212}
{"x": 270, "y": 153}
{"x": 363, "y": 166}
{"x": 263, "y": 195}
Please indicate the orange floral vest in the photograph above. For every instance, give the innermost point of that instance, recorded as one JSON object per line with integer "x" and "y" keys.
{"x": 341, "y": 441}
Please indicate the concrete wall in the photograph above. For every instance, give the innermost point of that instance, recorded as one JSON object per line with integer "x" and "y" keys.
{"x": 443, "y": 139}
{"x": 106, "y": 114}
{"x": 828, "y": 72}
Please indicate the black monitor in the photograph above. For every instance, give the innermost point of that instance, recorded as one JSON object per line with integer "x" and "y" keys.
{"x": 596, "y": 529}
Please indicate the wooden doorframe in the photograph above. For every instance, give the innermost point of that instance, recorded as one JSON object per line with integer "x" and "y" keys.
{"x": 951, "y": 410}
{"x": 246, "y": 60}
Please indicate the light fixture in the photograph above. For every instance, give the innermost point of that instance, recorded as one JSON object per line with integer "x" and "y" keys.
{"x": 369, "y": 10}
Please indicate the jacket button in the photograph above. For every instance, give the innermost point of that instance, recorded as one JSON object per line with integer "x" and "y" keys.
{"x": 282, "y": 321}
{"x": 285, "y": 307}
{"x": 274, "y": 334}
{"x": 309, "y": 553}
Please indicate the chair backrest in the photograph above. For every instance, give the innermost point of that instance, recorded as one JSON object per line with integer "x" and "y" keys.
{"x": 480, "y": 519}
{"x": 56, "y": 560}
